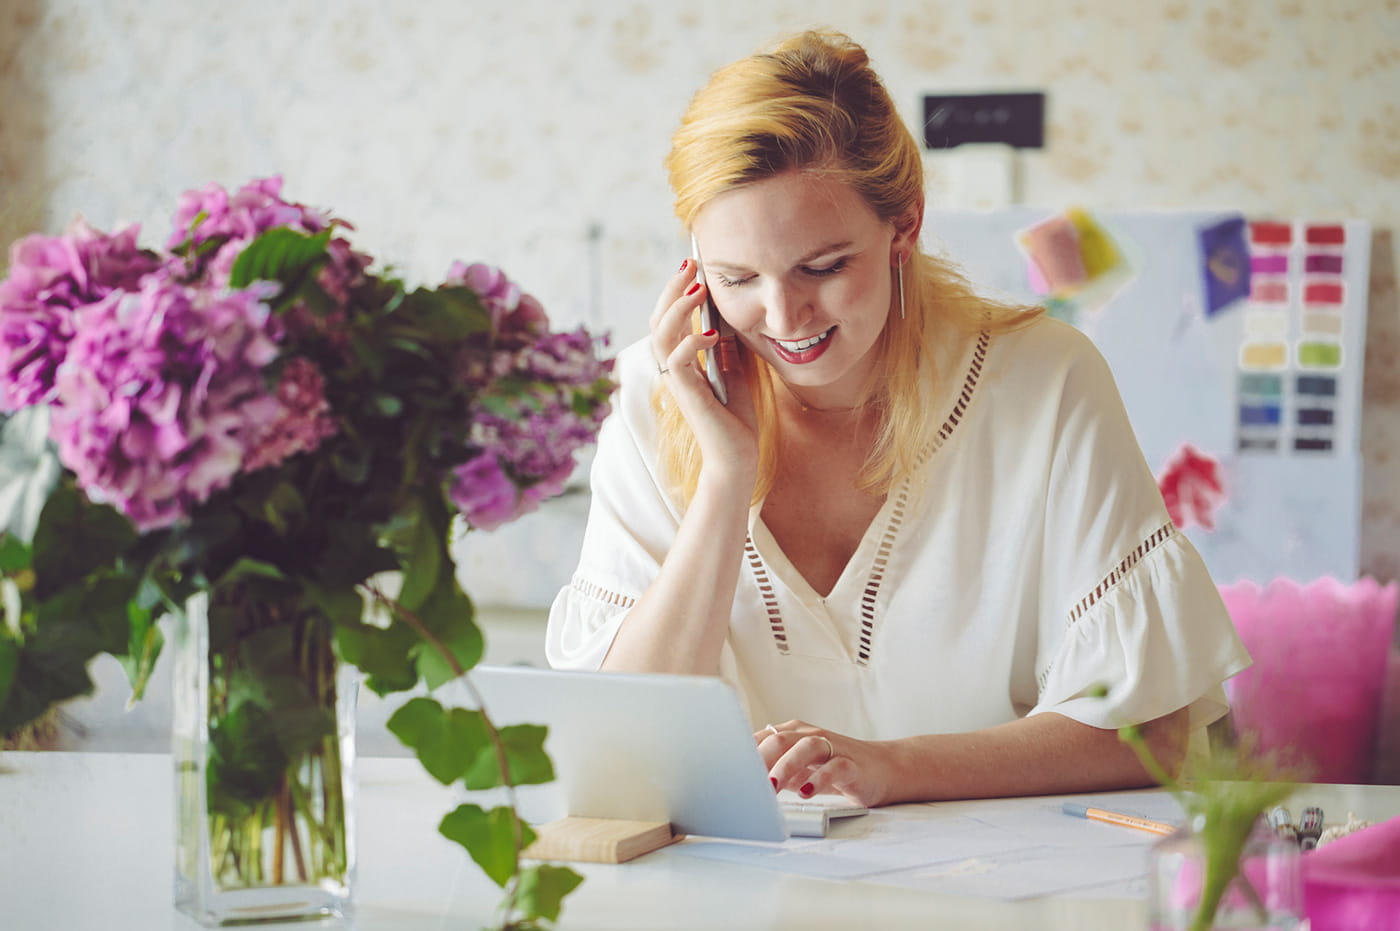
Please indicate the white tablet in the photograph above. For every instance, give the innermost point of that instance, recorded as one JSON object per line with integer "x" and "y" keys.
{"x": 644, "y": 747}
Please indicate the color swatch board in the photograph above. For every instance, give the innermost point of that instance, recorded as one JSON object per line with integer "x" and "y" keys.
{"x": 1268, "y": 385}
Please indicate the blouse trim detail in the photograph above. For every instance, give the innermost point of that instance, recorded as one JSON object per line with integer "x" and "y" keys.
{"x": 1154, "y": 540}
{"x": 769, "y": 596}
{"x": 870, "y": 596}
{"x": 974, "y": 373}
{"x": 599, "y": 593}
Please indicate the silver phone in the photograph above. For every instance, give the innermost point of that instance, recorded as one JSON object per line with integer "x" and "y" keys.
{"x": 710, "y": 319}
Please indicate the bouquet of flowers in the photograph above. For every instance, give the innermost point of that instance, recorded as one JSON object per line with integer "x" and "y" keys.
{"x": 251, "y": 431}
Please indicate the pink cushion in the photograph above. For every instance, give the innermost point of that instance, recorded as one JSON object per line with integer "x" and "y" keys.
{"x": 1353, "y": 883}
{"x": 1320, "y": 657}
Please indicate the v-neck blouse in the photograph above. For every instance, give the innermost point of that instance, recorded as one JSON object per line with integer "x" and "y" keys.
{"x": 1026, "y": 563}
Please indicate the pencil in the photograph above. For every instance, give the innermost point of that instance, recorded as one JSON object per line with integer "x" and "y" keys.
{"x": 1117, "y": 817}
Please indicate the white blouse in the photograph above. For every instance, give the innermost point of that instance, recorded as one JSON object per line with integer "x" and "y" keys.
{"x": 1026, "y": 564}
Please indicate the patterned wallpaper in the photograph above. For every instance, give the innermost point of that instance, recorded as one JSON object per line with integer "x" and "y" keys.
{"x": 530, "y": 134}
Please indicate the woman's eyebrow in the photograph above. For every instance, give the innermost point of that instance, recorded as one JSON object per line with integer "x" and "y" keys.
{"x": 815, "y": 253}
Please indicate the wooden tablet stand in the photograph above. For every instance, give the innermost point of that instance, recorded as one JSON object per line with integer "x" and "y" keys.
{"x": 599, "y": 840}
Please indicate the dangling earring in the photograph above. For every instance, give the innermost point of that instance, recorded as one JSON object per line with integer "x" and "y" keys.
{"x": 899, "y": 274}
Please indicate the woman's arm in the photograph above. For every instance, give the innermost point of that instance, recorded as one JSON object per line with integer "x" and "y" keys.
{"x": 1044, "y": 754}
{"x": 679, "y": 623}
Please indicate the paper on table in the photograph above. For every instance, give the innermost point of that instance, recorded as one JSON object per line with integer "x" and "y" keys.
{"x": 1003, "y": 848}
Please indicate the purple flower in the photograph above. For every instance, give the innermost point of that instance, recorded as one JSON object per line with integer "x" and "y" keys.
{"x": 558, "y": 412}
{"x": 161, "y": 396}
{"x": 255, "y": 208}
{"x": 49, "y": 279}
{"x": 513, "y": 312}
{"x": 211, "y": 214}
{"x": 484, "y": 494}
{"x": 303, "y": 422}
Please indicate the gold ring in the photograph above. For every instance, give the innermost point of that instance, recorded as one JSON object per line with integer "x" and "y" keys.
{"x": 830, "y": 750}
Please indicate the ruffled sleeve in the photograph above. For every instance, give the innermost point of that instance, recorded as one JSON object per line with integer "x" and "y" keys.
{"x": 1127, "y": 603}
{"x": 631, "y": 524}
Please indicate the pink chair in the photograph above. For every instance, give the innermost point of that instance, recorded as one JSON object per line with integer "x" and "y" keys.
{"x": 1321, "y": 653}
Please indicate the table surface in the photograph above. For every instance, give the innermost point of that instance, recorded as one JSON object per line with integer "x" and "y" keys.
{"x": 86, "y": 843}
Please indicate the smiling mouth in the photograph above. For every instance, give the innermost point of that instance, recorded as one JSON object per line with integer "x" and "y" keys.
{"x": 802, "y": 345}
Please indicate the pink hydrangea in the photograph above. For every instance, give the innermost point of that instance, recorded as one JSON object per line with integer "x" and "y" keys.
{"x": 303, "y": 421}
{"x": 50, "y": 278}
{"x": 161, "y": 396}
{"x": 513, "y": 312}
{"x": 528, "y": 456}
{"x": 211, "y": 214}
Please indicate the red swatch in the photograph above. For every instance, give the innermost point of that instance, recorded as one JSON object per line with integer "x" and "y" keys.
{"x": 1327, "y": 235}
{"x": 1263, "y": 233}
{"x": 1323, "y": 292}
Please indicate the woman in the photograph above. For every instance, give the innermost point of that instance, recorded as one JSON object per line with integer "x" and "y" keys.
{"x": 920, "y": 538}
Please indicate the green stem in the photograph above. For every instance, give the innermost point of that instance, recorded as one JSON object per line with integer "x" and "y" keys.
{"x": 502, "y": 760}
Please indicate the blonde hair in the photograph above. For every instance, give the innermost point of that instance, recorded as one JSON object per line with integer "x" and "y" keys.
{"x": 812, "y": 102}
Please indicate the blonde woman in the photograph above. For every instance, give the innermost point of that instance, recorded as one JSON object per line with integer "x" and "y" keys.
{"x": 920, "y": 535}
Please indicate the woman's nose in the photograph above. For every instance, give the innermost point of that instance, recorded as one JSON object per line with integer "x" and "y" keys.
{"x": 787, "y": 311}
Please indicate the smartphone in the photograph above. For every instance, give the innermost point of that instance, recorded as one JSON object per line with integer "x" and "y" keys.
{"x": 720, "y": 360}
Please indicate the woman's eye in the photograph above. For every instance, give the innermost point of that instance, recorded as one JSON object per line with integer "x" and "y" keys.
{"x": 731, "y": 282}
{"x": 831, "y": 269}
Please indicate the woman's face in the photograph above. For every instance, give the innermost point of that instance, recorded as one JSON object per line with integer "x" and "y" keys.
{"x": 801, "y": 268}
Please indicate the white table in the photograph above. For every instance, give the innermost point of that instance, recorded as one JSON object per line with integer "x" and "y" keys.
{"x": 86, "y": 844}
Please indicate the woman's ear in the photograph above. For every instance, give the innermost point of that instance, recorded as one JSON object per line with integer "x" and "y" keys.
{"x": 906, "y": 234}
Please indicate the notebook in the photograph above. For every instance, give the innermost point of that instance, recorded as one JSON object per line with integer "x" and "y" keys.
{"x": 646, "y": 747}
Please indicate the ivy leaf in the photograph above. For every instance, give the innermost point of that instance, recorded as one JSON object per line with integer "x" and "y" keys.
{"x": 280, "y": 254}
{"x": 525, "y": 757}
{"x": 445, "y": 739}
{"x": 383, "y": 654}
{"x": 542, "y": 890}
{"x": 489, "y": 837}
{"x": 449, "y": 614}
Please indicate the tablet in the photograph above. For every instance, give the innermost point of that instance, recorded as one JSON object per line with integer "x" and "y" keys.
{"x": 643, "y": 747}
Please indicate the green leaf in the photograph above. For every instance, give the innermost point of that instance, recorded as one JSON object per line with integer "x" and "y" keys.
{"x": 383, "y": 654}
{"x": 422, "y": 563}
{"x": 447, "y": 314}
{"x": 43, "y": 676}
{"x": 246, "y": 760}
{"x": 9, "y": 662}
{"x": 490, "y": 838}
{"x": 449, "y": 615}
{"x": 86, "y": 618}
{"x": 143, "y": 648}
{"x": 527, "y": 761}
{"x": 74, "y": 538}
{"x": 280, "y": 254}
{"x": 14, "y": 555}
{"x": 542, "y": 890}
{"x": 445, "y": 739}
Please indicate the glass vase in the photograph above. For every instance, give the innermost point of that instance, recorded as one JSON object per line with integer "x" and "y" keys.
{"x": 1265, "y": 894}
{"x": 264, "y": 751}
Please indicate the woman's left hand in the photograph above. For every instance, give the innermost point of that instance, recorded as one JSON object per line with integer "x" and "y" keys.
{"x": 812, "y": 761}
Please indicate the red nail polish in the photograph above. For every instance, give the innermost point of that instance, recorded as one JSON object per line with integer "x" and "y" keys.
{"x": 684, "y": 263}
{"x": 775, "y": 783}
{"x": 693, "y": 288}
{"x": 710, "y": 333}
{"x": 807, "y": 790}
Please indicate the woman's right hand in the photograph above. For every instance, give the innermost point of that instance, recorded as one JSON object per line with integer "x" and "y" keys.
{"x": 728, "y": 436}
